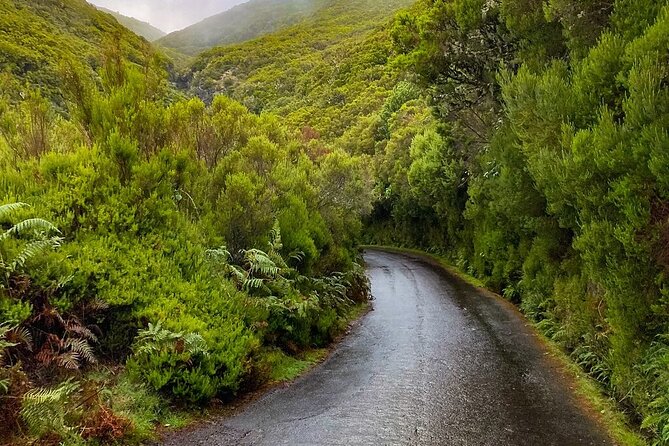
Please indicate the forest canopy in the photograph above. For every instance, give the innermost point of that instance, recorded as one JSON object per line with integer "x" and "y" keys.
{"x": 199, "y": 225}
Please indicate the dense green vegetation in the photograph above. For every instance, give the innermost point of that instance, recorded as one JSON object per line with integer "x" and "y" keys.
{"x": 199, "y": 244}
{"x": 523, "y": 140}
{"x": 40, "y": 40}
{"x": 543, "y": 172}
{"x": 325, "y": 75}
{"x": 207, "y": 245}
{"x": 146, "y": 30}
{"x": 243, "y": 22}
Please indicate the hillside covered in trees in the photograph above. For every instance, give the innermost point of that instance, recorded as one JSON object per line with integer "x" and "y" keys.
{"x": 40, "y": 41}
{"x": 175, "y": 238}
{"x": 324, "y": 75}
{"x": 243, "y": 22}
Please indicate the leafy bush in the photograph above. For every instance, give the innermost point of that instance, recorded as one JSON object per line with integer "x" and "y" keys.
{"x": 543, "y": 171}
{"x": 178, "y": 364}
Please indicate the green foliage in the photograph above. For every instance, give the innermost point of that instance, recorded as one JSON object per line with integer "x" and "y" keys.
{"x": 35, "y": 240}
{"x": 297, "y": 311}
{"x": 140, "y": 183}
{"x": 332, "y": 68}
{"x": 655, "y": 370}
{"x": 544, "y": 172}
{"x": 38, "y": 37}
{"x": 48, "y": 410}
{"x": 4, "y": 344}
{"x": 176, "y": 363}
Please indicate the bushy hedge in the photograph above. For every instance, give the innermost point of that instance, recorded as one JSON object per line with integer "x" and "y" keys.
{"x": 141, "y": 190}
{"x": 544, "y": 172}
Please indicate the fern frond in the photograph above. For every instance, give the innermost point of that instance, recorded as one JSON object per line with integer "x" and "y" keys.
{"x": 154, "y": 338}
{"x": 5, "y": 343}
{"x": 68, "y": 360}
{"x": 18, "y": 336}
{"x": 275, "y": 242}
{"x": 6, "y": 210}
{"x": 32, "y": 250}
{"x": 195, "y": 344}
{"x": 253, "y": 284}
{"x": 259, "y": 262}
{"x": 45, "y": 410}
{"x": 29, "y": 225}
{"x": 238, "y": 273}
{"x": 65, "y": 280}
{"x": 82, "y": 348}
{"x": 45, "y": 356}
{"x": 297, "y": 256}
{"x": 73, "y": 326}
{"x": 221, "y": 254}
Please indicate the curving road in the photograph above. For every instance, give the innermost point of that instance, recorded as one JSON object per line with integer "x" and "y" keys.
{"x": 436, "y": 363}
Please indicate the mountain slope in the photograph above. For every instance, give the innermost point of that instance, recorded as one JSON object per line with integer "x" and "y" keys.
{"x": 36, "y": 38}
{"x": 243, "y": 22}
{"x": 144, "y": 29}
{"x": 326, "y": 72}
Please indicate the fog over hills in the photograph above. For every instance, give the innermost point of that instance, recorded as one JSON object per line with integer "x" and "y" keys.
{"x": 168, "y": 15}
{"x": 243, "y": 22}
{"x": 144, "y": 29}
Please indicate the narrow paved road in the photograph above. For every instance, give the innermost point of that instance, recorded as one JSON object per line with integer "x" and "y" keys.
{"x": 435, "y": 363}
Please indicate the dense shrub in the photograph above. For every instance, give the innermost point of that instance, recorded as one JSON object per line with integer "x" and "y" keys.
{"x": 544, "y": 172}
{"x": 144, "y": 185}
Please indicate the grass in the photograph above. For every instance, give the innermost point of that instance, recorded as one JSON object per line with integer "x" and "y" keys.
{"x": 586, "y": 388}
{"x": 285, "y": 368}
{"x": 592, "y": 393}
{"x": 137, "y": 403}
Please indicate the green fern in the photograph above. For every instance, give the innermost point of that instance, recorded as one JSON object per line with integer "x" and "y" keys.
{"x": 33, "y": 250}
{"x": 4, "y": 343}
{"x": 40, "y": 243}
{"x": 155, "y": 339}
{"x": 46, "y": 410}
{"x": 195, "y": 344}
{"x": 275, "y": 246}
{"x": 34, "y": 225}
{"x": 221, "y": 254}
{"x": 223, "y": 257}
{"x": 258, "y": 266}
{"x": 5, "y": 329}
{"x": 259, "y": 262}
{"x": 6, "y": 210}
{"x": 12, "y": 336}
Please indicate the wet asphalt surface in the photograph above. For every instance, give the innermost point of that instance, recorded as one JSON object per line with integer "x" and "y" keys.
{"x": 436, "y": 363}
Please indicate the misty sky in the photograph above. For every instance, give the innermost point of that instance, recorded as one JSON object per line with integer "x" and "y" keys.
{"x": 168, "y": 15}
